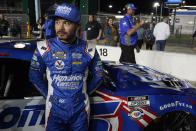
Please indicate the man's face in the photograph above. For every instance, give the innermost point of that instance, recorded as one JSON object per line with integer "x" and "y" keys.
{"x": 166, "y": 20}
{"x": 90, "y": 18}
{"x": 46, "y": 17}
{"x": 130, "y": 11}
{"x": 1, "y": 17}
{"x": 65, "y": 29}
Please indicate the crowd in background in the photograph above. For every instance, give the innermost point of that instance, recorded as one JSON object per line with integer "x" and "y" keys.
{"x": 110, "y": 35}
{"x": 102, "y": 34}
{"x": 9, "y": 28}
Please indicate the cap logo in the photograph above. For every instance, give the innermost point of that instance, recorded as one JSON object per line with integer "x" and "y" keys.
{"x": 64, "y": 10}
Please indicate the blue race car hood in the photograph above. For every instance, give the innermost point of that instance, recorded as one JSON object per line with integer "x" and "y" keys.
{"x": 22, "y": 50}
{"x": 140, "y": 80}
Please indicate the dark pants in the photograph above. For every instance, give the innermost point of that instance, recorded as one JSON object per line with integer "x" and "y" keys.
{"x": 149, "y": 45}
{"x": 140, "y": 43}
{"x": 127, "y": 54}
{"x": 3, "y": 32}
{"x": 161, "y": 45}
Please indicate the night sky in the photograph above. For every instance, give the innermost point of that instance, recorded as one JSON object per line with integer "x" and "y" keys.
{"x": 144, "y": 6}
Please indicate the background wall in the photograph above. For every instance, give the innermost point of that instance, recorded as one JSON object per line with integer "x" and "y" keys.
{"x": 179, "y": 65}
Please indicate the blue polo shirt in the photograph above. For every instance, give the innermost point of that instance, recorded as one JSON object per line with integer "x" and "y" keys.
{"x": 126, "y": 23}
{"x": 49, "y": 27}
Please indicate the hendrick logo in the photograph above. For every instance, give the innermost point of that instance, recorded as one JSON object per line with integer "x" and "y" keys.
{"x": 64, "y": 10}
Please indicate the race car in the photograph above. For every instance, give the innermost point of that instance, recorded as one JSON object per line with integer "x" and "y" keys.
{"x": 133, "y": 97}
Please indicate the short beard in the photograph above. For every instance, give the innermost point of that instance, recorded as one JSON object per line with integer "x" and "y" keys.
{"x": 70, "y": 38}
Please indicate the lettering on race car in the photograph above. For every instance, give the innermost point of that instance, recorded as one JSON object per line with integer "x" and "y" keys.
{"x": 13, "y": 115}
{"x": 155, "y": 79}
{"x": 138, "y": 101}
{"x": 175, "y": 104}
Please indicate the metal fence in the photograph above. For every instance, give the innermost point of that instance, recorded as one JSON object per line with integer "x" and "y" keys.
{"x": 21, "y": 20}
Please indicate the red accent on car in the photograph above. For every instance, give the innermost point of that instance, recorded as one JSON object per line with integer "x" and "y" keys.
{"x": 192, "y": 101}
{"x": 4, "y": 54}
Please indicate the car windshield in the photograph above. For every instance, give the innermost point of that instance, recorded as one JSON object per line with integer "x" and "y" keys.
{"x": 14, "y": 80}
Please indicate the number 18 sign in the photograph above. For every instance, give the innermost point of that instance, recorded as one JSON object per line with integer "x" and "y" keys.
{"x": 108, "y": 53}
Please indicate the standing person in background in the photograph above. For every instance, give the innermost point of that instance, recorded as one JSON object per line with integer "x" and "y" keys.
{"x": 161, "y": 33}
{"x": 38, "y": 28}
{"x": 14, "y": 29}
{"x": 194, "y": 40}
{"x": 67, "y": 61}
{"x": 140, "y": 40}
{"x": 4, "y": 24}
{"x": 49, "y": 28}
{"x": 93, "y": 30}
{"x": 128, "y": 34}
{"x": 148, "y": 37}
{"x": 110, "y": 33}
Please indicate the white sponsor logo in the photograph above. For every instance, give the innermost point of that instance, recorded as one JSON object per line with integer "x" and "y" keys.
{"x": 77, "y": 55}
{"x": 59, "y": 72}
{"x": 59, "y": 64}
{"x": 62, "y": 100}
{"x": 67, "y": 82}
{"x": 34, "y": 58}
{"x": 175, "y": 104}
{"x": 68, "y": 85}
{"x": 64, "y": 10}
{"x": 59, "y": 78}
{"x": 124, "y": 23}
{"x": 35, "y": 63}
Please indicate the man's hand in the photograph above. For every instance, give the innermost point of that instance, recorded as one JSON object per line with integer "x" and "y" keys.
{"x": 98, "y": 38}
{"x": 137, "y": 26}
{"x": 115, "y": 38}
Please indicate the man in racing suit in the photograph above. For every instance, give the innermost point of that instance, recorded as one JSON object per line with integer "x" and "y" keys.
{"x": 66, "y": 60}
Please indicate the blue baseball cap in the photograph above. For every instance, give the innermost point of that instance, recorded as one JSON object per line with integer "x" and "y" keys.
{"x": 67, "y": 11}
{"x": 130, "y": 6}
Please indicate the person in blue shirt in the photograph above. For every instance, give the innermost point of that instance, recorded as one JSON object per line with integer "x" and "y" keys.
{"x": 128, "y": 35}
{"x": 49, "y": 28}
{"x": 67, "y": 61}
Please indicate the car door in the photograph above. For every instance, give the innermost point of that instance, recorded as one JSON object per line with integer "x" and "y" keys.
{"x": 21, "y": 106}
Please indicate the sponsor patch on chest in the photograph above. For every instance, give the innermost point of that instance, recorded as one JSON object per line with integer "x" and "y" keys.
{"x": 59, "y": 54}
{"x": 76, "y": 55}
{"x": 76, "y": 63}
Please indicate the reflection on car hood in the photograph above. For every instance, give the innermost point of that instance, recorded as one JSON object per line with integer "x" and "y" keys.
{"x": 22, "y": 50}
{"x": 25, "y": 45}
{"x": 142, "y": 80}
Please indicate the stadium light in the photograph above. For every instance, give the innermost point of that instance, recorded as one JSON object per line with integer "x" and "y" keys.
{"x": 156, "y": 4}
{"x": 110, "y": 6}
